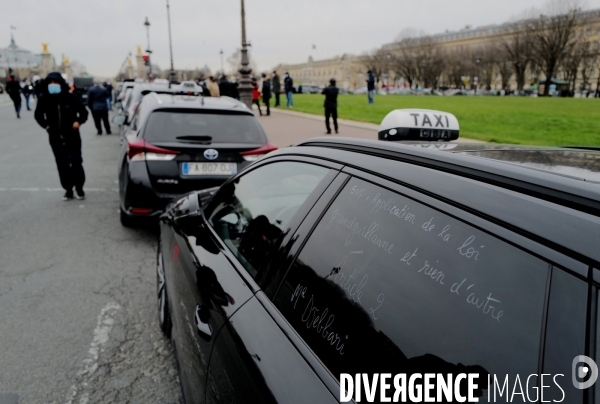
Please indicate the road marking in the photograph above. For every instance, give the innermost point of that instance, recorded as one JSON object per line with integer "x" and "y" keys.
{"x": 90, "y": 364}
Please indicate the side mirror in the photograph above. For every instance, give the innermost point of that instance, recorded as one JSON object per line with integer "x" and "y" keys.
{"x": 119, "y": 119}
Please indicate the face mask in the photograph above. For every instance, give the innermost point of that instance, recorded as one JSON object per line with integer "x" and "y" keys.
{"x": 54, "y": 88}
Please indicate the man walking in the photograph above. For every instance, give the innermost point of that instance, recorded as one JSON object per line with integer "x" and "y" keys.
{"x": 276, "y": 87}
{"x": 266, "y": 92}
{"x": 13, "y": 88}
{"x": 288, "y": 84}
{"x": 371, "y": 86}
{"x": 61, "y": 113}
{"x": 27, "y": 89}
{"x": 98, "y": 103}
{"x": 109, "y": 88}
{"x": 331, "y": 93}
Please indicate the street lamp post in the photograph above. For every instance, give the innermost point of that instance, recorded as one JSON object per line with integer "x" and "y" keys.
{"x": 172, "y": 72}
{"x": 148, "y": 51}
{"x": 245, "y": 86}
{"x": 476, "y": 80}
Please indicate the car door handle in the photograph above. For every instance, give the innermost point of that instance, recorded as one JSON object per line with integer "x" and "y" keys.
{"x": 204, "y": 328}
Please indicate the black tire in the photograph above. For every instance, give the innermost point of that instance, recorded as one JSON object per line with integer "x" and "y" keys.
{"x": 126, "y": 220}
{"x": 164, "y": 316}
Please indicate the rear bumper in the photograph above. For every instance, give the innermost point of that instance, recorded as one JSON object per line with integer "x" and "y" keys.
{"x": 140, "y": 193}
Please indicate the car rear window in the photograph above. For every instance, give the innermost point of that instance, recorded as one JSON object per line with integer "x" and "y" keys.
{"x": 207, "y": 127}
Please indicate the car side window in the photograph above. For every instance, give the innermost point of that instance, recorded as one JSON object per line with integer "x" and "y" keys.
{"x": 385, "y": 284}
{"x": 250, "y": 213}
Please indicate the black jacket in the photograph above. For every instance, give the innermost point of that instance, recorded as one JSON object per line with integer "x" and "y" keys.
{"x": 288, "y": 84}
{"x": 266, "y": 89}
{"x": 98, "y": 98}
{"x": 331, "y": 94}
{"x": 59, "y": 111}
{"x": 13, "y": 88}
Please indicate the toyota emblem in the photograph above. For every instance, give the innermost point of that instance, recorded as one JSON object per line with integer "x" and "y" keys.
{"x": 211, "y": 154}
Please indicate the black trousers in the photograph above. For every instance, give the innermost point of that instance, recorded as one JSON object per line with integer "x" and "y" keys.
{"x": 101, "y": 115}
{"x": 69, "y": 161}
{"x": 331, "y": 112}
{"x": 277, "y": 98}
{"x": 257, "y": 102}
{"x": 267, "y": 102}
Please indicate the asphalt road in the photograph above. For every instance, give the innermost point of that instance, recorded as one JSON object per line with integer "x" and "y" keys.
{"x": 78, "y": 317}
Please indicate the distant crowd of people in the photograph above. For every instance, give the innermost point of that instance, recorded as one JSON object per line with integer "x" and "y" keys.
{"x": 29, "y": 88}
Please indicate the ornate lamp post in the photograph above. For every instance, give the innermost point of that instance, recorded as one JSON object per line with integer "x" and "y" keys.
{"x": 148, "y": 51}
{"x": 245, "y": 82}
{"x": 172, "y": 72}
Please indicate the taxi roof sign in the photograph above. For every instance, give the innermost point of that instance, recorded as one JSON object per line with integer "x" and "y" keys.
{"x": 419, "y": 124}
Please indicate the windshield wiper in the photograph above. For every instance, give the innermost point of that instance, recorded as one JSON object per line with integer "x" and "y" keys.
{"x": 195, "y": 138}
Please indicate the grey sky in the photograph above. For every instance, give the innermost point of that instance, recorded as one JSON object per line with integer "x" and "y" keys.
{"x": 99, "y": 34}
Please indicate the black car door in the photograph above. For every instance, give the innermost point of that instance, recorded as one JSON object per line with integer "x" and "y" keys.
{"x": 215, "y": 256}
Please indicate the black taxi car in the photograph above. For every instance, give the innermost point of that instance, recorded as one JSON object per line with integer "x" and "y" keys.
{"x": 175, "y": 144}
{"x": 353, "y": 256}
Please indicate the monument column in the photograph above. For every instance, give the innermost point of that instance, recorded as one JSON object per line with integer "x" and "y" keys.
{"x": 47, "y": 63}
{"x": 130, "y": 74}
{"x": 139, "y": 60}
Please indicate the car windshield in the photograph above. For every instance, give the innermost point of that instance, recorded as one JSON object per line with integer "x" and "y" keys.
{"x": 206, "y": 127}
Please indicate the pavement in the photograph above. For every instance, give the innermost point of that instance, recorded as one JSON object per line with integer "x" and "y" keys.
{"x": 78, "y": 322}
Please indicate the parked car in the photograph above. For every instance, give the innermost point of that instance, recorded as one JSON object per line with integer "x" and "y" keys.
{"x": 189, "y": 87}
{"x": 1, "y": 89}
{"x": 138, "y": 91}
{"x": 357, "y": 256}
{"x": 453, "y": 92}
{"x": 178, "y": 143}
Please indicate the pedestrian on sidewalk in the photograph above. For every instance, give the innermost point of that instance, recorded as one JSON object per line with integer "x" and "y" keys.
{"x": 256, "y": 95}
{"x": 97, "y": 100}
{"x": 371, "y": 86}
{"x": 109, "y": 88}
{"x": 266, "y": 92}
{"x": 13, "y": 88}
{"x": 276, "y": 87}
{"x": 288, "y": 84}
{"x": 61, "y": 114}
{"x": 27, "y": 89}
{"x": 331, "y": 94}
{"x": 213, "y": 87}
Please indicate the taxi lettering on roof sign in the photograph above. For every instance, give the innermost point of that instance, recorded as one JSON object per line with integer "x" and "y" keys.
{"x": 418, "y": 124}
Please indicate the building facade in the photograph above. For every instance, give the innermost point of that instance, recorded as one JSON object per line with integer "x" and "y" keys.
{"x": 24, "y": 64}
{"x": 348, "y": 70}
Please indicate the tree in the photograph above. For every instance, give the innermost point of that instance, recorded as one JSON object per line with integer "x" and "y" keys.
{"x": 235, "y": 62}
{"x": 430, "y": 62}
{"x": 378, "y": 61}
{"x": 405, "y": 63}
{"x": 518, "y": 49}
{"x": 554, "y": 35}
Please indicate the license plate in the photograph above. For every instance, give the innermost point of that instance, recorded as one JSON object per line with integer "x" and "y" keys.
{"x": 208, "y": 168}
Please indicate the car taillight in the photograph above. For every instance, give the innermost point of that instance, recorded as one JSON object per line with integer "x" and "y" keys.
{"x": 134, "y": 107}
{"x": 140, "y": 150}
{"x": 253, "y": 155}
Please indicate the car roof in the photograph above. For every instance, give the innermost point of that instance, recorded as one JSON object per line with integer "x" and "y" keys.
{"x": 559, "y": 211}
{"x": 168, "y": 101}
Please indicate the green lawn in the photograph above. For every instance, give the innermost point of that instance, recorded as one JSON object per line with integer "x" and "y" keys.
{"x": 521, "y": 120}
